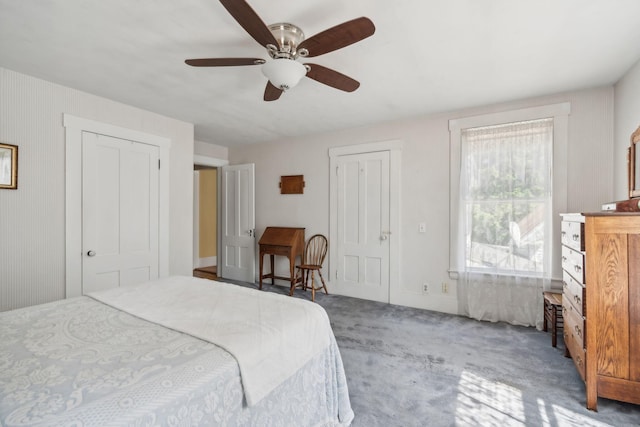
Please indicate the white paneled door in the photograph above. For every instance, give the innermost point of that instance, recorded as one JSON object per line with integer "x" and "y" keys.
{"x": 363, "y": 226}
{"x": 119, "y": 212}
{"x": 238, "y": 223}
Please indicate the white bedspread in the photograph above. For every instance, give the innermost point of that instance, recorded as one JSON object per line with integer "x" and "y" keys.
{"x": 271, "y": 336}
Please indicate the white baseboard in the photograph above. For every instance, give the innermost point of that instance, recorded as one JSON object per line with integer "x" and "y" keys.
{"x": 207, "y": 262}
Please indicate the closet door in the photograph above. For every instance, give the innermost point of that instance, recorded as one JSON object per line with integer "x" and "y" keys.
{"x": 120, "y": 212}
{"x": 363, "y": 228}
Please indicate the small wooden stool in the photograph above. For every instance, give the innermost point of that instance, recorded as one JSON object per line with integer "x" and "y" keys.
{"x": 553, "y": 315}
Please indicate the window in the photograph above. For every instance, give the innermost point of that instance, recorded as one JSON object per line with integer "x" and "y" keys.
{"x": 505, "y": 206}
{"x": 559, "y": 113}
{"x": 508, "y": 184}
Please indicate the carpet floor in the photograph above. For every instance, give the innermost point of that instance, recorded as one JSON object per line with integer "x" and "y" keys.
{"x": 411, "y": 367}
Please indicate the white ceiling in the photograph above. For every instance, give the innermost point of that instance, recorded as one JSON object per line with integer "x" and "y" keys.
{"x": 426, "y": 56}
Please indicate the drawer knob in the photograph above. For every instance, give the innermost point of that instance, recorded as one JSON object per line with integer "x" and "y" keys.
{"x": 578, "y": 268}
{"x": 576, "y": 237}
{"x": 578, "y": 331}
{"x": 564, "y": 258}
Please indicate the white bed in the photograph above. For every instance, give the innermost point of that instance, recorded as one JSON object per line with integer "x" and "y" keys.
{"x": 142, "y": 356}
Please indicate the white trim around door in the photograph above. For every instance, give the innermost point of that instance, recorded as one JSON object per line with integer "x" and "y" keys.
{"x": 201, "y": 160}
{"x": 74, "y": 127}
{"x": 394, "y": 148}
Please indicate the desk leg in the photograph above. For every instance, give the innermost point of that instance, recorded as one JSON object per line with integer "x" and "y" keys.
{"x": 261, "y": 265}
{"x": 292, "y": 264}
{"x": 273, "y": 271}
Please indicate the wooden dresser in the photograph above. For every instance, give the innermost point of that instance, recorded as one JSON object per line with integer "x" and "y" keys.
{"x": 601, "y": 302}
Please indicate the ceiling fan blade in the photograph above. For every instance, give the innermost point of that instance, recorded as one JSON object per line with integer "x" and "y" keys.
{"x": 271, "y": 93}
{"x": 250, "y": 21}
{"x": 332, "y": 78}
{"x": 338, "y": 37}
{"x": 223, "y": 62}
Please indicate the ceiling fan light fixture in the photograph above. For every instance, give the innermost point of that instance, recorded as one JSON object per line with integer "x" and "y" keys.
{"x": 284, "y": 73}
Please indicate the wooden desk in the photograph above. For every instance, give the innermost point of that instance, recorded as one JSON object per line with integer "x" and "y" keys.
{"x": 284, "y": 241}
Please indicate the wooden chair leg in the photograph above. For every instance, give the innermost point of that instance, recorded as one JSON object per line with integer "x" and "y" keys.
{"x": 324, "y": 285}
{"x": 299, "y": 281}
{"x": 302, "y": 281}
{"x": 554, "y": 328}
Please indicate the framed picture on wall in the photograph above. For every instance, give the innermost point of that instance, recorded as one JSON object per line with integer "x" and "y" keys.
{"x": 8, "y": 166}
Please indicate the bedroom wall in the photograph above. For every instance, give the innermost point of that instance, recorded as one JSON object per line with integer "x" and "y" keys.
{"x": 424, "y": 182}
{"x": 32, "y": 218}
{"x": 627, "y": 109}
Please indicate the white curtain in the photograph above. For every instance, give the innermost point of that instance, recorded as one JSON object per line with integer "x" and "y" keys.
{"x": 505, "y": 221}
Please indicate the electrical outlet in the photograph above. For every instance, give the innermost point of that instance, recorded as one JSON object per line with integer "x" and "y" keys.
{"x": 445, "y": 288}
{"x": 425, "y": 288}
{"x": 422, "y": 227}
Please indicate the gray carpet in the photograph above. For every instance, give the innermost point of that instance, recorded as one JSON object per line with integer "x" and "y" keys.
{"x": 411, "y": 367}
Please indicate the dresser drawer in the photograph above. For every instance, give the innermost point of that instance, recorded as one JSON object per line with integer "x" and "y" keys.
{"x": 573, "y": 263}
{"x": 574, "y": 335}
{"x": 573, "y": 235}
{"x": 575, "y": 293}
{"x": 577, "y": 353}
{"x": 574, "y": 323}
{"x": 274, "y": 250}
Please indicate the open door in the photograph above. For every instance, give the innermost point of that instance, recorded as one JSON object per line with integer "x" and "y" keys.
{"x": 238, "y": 253}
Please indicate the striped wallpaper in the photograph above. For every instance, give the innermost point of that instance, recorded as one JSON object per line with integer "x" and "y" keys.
{"x": 32, "y": 218}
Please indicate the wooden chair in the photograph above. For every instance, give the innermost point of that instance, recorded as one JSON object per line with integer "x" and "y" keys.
{"x": 315, "y": 252}
{"x": 553, "y": 315}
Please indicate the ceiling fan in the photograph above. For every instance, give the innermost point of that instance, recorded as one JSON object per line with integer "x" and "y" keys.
{"x": 285, "y": 43}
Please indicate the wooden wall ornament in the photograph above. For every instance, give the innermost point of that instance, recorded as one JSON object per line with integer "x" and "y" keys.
{"x": 292, "y": 184}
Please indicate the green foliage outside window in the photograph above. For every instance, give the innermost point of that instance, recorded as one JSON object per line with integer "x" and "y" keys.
{"x": 508, "y": 186}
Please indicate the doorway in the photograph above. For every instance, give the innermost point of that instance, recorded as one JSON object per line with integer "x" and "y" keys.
{"x": 205, "y": 264}
{"x": 75, "y": 130}
{"x": 205, "y": 221}
{"x": 235, "y": 225}
{"x": 235, "y": 220}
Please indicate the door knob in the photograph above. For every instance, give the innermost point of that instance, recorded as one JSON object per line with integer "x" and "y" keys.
{"x": 91, "y": 253}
